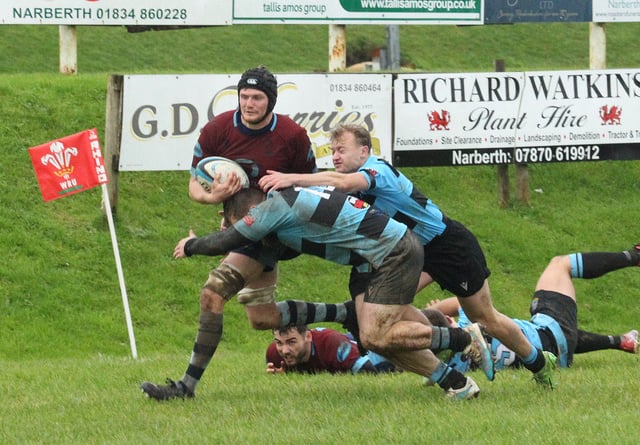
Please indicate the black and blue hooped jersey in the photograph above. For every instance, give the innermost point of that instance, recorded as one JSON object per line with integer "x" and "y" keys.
{"x": 324, "y": 222}
{"x": 393, "y": 193}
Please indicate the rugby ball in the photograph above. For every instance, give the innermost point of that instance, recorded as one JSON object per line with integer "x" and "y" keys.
{"x": 208, "y": 168}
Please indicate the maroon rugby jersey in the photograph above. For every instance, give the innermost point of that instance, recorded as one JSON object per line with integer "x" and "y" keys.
{"x": 283, "y": 146}
{"x": 331, "y": 352}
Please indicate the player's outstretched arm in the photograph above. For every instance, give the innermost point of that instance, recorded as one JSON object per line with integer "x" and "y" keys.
{"x": 214, "y": 244}
{"x": 345, "y": 182}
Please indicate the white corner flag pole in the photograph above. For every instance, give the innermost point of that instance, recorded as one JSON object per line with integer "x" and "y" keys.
{"x": 116, "y": 254}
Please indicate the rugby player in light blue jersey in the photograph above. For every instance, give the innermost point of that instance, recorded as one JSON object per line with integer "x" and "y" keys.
{"x": 343, "y": 229}
{"x": 553, "y": 325}
{"x": 452, "y": 255}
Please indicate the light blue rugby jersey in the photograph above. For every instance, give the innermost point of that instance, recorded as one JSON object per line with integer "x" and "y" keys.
{"x": 504, "y": 357}
{"x": 324, "y": 222}
{"x": 393, "y": 193}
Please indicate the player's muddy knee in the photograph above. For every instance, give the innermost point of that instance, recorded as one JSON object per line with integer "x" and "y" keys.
{"x": 256, "y": 297}
{"x": 263, "y": 323}
{"x": 211, "y": 301}
{"x": 224, "y": 282}
{"x": 260, "y": 307}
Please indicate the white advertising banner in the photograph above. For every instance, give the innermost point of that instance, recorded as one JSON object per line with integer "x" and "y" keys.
{"x": 527, "y": 117}
{"x": 458, "y": 12}
{"x": 116, "y": 12}
{"x": 616, "y": 11}
{"x": 163, "y": 114}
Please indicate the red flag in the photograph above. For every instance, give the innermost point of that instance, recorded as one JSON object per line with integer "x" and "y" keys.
{"x": 69, "y": 165}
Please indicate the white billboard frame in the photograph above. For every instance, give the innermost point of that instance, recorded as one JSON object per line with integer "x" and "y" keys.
{"x": 615, "y": 11}
{"x": 515, "y": 117}
{"x": 419, "y": 12}
{"x": 162, "y": 114}
{"x": 116, "y": 12}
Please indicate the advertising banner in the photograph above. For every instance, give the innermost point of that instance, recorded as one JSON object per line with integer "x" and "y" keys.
{"x": 527, "y": 117}
{"x": 616, "y": 11}
{"x": 452, "y": 12}
{"x": 163, "y": 114}
{"x": 524, "y": 11}
{"x": 115, "y": 12}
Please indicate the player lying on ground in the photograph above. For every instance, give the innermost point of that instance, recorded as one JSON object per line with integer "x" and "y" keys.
{"x": 309, "y": 351}
{"x": 554, "y": 312}
{"x": 296, "y": 348}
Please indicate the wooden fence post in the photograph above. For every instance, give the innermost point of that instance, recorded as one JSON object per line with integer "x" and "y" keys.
{"x": 522, "y": 171}
{"x": 502, "y": 170}
{"x": 113, "y": 133}
{"x": 597, "y": 46}
{"x": 337, "y": 48}
{"x": 522, "y": 183}
{"x": 68, "y": 42}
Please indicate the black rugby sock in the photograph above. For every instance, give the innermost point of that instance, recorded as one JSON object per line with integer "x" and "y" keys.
{"x": 589, "y": 341}
{"x": 455, "y": 339}
{"x": 537, "y": 363}
{"x": 596, "y": 264}
{"x": 207, "y": 340}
